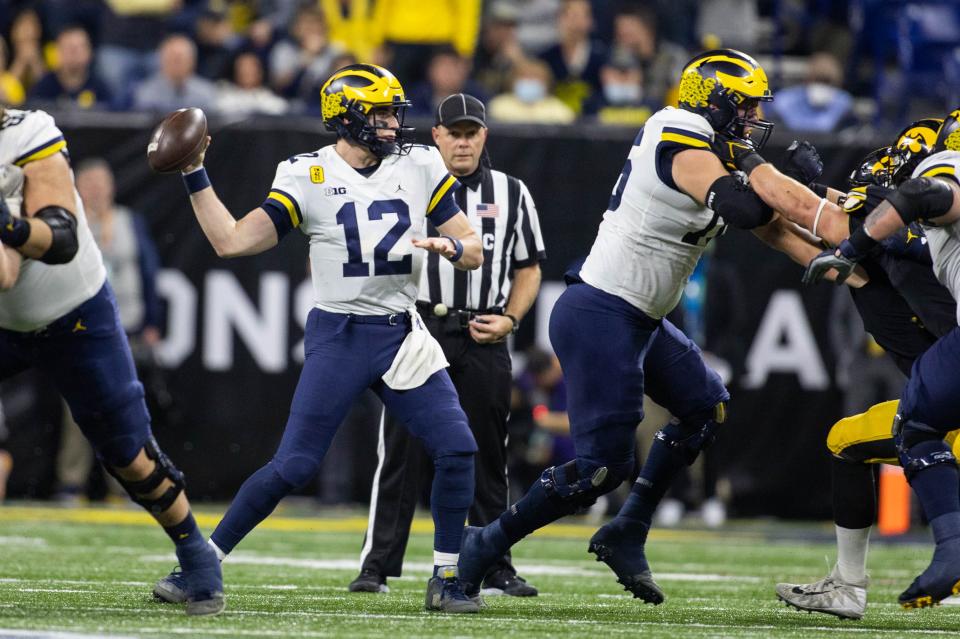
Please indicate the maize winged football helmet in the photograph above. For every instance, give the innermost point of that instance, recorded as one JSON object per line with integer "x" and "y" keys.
{"x": 948, "y": 137}
{"x": 350, "y": 95}
{"x": 890, "y": 165}
{"x": 715, "y": 84}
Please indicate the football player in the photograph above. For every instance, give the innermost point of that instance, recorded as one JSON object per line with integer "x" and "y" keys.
{"x": 905, "y": 309}
{"x": 673, "y": 196}
{"x": 363, "y": 203}
{"x": 58, "y": 313}
{"x": 928, "y": 408}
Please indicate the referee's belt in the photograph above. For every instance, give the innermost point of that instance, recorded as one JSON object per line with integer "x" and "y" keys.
{"x": 461, "y": 316}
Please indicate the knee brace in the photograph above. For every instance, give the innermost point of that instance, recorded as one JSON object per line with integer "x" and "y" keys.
{"x": 163, "y": 469}
{"x": 694, "y": 433}
{"x": 579, "y": 490}
{"x": 919, "y": 446}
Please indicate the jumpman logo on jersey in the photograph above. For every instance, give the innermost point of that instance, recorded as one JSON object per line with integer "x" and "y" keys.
{"x": 400, "y": 189}
{"x": 78, "y": 327}
{"x": 911, "y": 236}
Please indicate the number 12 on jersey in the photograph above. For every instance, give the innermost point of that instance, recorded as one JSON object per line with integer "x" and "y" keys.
{"x": 382, "y": 264}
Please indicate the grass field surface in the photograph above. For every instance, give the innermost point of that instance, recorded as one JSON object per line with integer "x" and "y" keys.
{"x": 79, "y": 573}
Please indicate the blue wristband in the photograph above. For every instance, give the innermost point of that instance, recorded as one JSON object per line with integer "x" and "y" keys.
{"x": 196, "y": 180}
{"x": 457, "y": 247}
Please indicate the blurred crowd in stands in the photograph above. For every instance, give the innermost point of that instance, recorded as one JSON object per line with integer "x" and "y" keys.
{"x": 834, "y": 64}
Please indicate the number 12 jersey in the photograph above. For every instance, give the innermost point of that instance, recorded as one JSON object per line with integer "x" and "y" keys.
{"x": 360, "y": 227}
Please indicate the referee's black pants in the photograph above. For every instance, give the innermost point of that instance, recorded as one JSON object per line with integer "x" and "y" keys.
{"x": 482, "y": 376}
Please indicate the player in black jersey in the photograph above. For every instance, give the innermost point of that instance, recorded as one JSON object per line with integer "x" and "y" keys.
{"x": 905, "y": 309}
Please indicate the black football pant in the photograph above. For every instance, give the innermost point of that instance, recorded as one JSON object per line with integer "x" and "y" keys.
{"x": 481, "y": 374}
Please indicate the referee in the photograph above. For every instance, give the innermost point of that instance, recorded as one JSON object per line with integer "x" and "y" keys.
{"x": 470, "y": 314}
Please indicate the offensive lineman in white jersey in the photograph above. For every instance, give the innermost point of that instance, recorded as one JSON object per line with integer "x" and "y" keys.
{"x": 929, "y": 406}
{"x": 363, "y": 203}
{"x": 58, "y": 313}
{"x": 608, "y": 328}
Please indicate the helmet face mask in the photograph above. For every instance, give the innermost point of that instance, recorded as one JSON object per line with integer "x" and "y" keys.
{"x": 355, "y": 100}
{"x": 726, "y": 87}
{"x": 892, "y": 165}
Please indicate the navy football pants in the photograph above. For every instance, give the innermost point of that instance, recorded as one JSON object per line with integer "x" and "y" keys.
{"x": 86, "y": 355}
{"x": 611, "y": 353}
{"x": 346, "y": 354}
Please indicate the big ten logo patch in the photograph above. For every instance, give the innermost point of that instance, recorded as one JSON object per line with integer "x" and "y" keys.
{"x": 335, "y": 190}
{"x": 316, "y": 174}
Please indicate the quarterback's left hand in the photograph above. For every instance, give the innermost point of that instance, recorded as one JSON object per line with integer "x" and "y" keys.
{"x": 442, "y": 245}
{"x": 843, "y": 260}
{"x": 487, "y": 329}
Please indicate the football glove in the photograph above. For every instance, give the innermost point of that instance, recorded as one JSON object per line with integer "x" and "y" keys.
{"x": 844, "y": 259}
{"x": 14, "y": 231}
{"x": 737, "y": 154}
{"x": 803, "y": 162}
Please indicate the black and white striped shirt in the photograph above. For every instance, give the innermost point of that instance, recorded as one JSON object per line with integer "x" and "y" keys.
{"x": 501, "y": 211}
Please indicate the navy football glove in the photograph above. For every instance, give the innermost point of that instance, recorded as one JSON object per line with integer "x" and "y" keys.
{"x": 14, "y": 231}
{"x": 803, "y": 162}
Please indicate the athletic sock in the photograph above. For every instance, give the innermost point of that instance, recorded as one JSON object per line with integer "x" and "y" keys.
{"x": 185, "y": 533}
{"x": 937, "y": 486}
{"x": 852, "y": 546}
{"x": 444, "y": 560}
{"x": 662, "y": 465}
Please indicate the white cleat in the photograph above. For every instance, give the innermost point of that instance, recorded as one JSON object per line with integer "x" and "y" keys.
{"x": 830, "y": 596}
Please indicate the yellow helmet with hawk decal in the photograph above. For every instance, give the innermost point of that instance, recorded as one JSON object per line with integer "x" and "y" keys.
{"x": 890, "y": 165}
{"x": 715, "y": 84}
{"x": 352, "y": 94}
{"x": 948, "y": 137}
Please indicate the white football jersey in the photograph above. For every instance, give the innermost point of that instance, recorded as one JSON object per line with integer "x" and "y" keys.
{"x": 652, "y": 233}
{"x": 944, "y": 241}
{"x": 362, "y": 259}
{"x": 43, "y": 292}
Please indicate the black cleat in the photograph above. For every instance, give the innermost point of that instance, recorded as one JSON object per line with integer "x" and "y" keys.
{"x": 507, "y": 582}
{"x": 369, "y": 581}
{"x": 940, "y": 580}
{"x": 445, "y": 594}
{"x": 619, "y": 544}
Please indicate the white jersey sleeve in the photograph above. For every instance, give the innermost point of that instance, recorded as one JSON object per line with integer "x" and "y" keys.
{"x": 439, "y": 183}
{"x": 529, "y": 249}
{"x": 283, "y": 203}
{"x": 30, "y": 136}
{"x": 944, "y": 241}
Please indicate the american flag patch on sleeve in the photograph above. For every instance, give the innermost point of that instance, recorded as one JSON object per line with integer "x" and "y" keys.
{"x": 488, "y": 210}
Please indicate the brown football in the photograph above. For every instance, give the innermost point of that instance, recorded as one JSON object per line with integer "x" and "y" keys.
{"x": 177, "y": 140}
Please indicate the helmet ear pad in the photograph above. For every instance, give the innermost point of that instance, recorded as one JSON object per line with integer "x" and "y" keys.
{"x": 722, "y": 110}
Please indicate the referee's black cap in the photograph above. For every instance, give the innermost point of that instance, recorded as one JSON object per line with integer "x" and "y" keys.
{"x": 459, "y": 107}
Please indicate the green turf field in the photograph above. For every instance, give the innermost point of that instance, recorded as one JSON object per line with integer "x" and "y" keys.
{"x": 90, "y": 572}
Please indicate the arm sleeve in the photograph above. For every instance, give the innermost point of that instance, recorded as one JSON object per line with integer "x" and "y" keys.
{"x": 37, "y": 137}
{"x": 529, "y": 248}
{"x": 283, "y": 201}
{"x": 441, "y": 205}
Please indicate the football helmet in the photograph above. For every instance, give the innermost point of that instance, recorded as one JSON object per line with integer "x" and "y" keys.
{"x": 891, "y": 165}
{"x": 948, "y": 137}
{"x": 349, "y": 96}
{"x": 717, "y": 83}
